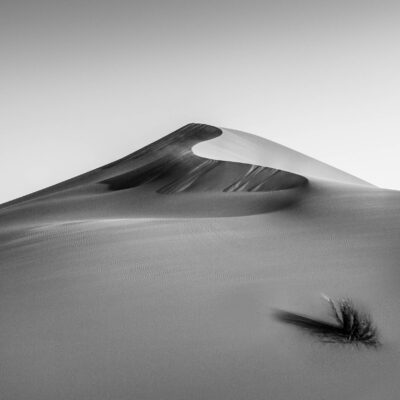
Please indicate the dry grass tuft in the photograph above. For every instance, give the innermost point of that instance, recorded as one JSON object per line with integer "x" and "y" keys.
{"x": 350, "y": 326}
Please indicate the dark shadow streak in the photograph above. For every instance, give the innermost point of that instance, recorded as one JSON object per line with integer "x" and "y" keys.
{"x": 315, "y": 326}
{"x": 359, "y": 332}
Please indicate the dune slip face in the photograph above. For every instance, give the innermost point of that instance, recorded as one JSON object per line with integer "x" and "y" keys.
{"x": 158, "y": 276}
{"x": 171, "y": 167}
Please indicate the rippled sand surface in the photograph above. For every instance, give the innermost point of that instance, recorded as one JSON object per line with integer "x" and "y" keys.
{"x": 156, "y": 277}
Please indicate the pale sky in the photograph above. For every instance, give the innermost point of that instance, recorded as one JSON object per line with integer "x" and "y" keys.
{"x": 83, "y": 83}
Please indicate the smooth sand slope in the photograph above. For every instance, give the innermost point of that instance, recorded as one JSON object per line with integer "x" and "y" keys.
{"x": 246, "y": 148}
{"x": 157, "y": 277}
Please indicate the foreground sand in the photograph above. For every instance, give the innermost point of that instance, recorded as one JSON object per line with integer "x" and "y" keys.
{"x": 131, "y": 293}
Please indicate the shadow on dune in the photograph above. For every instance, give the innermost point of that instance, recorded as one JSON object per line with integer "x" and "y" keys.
{"x": 133, "y": 185}
{"x": 170, "y": 166}
{"x": 350, "y": 327}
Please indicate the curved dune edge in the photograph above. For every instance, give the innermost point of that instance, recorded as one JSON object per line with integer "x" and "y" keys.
{"x": 170, "y": 166}
{"x": 164, "y": 179}
{"x": 237, "y": 146}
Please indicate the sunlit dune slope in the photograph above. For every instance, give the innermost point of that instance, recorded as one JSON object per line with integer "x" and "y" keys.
{"x": 243, "y": 147}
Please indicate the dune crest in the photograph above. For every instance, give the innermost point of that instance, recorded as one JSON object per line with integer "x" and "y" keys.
{"x": 133, "y": 185}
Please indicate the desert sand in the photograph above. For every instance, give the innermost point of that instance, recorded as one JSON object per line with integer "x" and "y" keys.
{"x": 157, "y": 276}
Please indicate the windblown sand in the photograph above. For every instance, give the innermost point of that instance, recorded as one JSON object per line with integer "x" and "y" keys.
{"x": 131, "y": 293}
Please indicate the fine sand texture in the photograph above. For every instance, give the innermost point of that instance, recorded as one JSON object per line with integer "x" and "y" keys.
{"x": 158, "y": 277}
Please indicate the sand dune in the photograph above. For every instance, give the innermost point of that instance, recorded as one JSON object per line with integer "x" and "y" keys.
{"x": 129, "y": 187}
{"x": 156, "y": 277}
